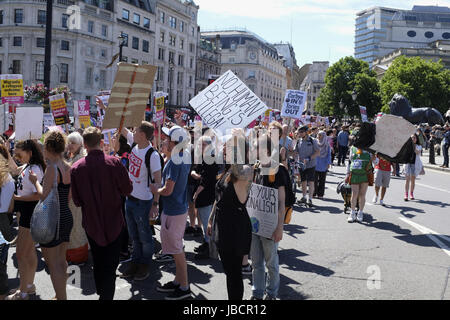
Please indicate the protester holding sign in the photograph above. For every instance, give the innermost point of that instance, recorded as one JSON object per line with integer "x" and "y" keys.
{"x": 264, "y": 251}
{"x": 29, "y": 154}
{"x": 58, "y": 170}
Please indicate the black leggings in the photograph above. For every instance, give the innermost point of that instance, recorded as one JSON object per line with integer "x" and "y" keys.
{"x": 232, "y": 265}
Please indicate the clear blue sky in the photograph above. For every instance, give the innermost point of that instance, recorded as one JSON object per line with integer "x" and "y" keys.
{"x": 322, "y": 30}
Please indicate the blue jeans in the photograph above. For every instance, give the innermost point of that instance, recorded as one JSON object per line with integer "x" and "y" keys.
{"x": 264, "y": 252}
{"x": 204, "y": 214}
{"x": 445, "y": 152}
{"x": 137, "y": 216}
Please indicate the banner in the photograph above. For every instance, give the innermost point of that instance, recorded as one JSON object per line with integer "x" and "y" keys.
{"x": 49, "y": 121}
{"x": 159, "y": 109}
{"x": 84, "y": 116}
{"x": 262, "y": 207}
{"x": 12, "y": 88}
{"x": 29, "y": 123}
{"x": 59, "y": 109}
{"x": 294, "y": 103}
{"x": 363, "y": 111}
{"x": 227, "y": 103}
{"x": 129, "y": 95}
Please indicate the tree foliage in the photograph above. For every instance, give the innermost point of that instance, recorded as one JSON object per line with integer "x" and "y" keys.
{"x": 425, "y": 83}
{"x": 342, "y": 78}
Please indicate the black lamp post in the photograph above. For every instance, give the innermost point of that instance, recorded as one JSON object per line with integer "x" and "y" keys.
{"x": 48, "y": 43}
{"x": 171, "y": 68}
{"x": 121, "y": 44}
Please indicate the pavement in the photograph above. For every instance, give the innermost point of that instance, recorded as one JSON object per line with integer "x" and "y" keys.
{"x": 439, "y": 160}
{"x": 401, "y": 251}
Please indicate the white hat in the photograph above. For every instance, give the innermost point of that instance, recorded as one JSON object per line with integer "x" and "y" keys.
{"x": 176, "y": 134}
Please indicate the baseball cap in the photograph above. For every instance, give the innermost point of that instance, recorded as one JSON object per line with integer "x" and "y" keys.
{"x": 304, "y": 128}
{"x": 176, "y": 134}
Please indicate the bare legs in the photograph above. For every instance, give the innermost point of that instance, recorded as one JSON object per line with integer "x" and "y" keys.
{"x": 55, "y": 258}
{"x": 26, "y": 258}
{"x": 359, "y": 194}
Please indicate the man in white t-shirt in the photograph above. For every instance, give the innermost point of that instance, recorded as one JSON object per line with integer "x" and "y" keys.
{"x": 141, "y": 205}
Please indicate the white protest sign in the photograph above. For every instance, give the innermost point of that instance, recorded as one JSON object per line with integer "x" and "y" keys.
{"x": 108, "y": 133}
{"x": 294, "y": 103}
{"x": 49, "y": 121}
{"x": 262, "y": 207}
{"x": 227, "y": 103}
{"x": 29, "y": 123}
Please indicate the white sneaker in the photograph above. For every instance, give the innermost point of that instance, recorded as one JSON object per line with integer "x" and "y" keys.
{"x": 382, "y": 202}
{"x": 352, "y": 217}
{"x": 375, "y": 199}
{"x": 360, "y": 216}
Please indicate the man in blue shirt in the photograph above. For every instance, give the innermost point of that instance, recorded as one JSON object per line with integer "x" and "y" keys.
{"x": 173, "y": 195}
{"x": 342, "y": 141}
{"x": 446, "y": 145}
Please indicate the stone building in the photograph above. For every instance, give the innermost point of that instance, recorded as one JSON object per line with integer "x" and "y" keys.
{"x": 208, "y": 63}
{"x": 314, "y": 82}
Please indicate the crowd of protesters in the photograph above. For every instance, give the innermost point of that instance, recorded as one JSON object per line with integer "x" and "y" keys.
{"x": 112, "y": 196}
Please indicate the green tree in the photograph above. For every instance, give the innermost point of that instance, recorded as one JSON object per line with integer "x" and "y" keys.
{"x": 342, "y": 78}
{"x": 425, "y": 83}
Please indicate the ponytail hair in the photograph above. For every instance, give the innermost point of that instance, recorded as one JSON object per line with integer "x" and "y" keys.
{"x": 37, "y": 157}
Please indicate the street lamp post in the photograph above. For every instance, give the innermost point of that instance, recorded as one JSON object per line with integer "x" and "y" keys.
{"x": 171, "y": 68}
{"x": 48, "y": 43}
{"x": 354, "y": 96}
{"x": 121, "y": 44}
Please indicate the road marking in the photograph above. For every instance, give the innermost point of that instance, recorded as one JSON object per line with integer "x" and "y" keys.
{"x": 430, "y": 187}
{"x": 433, "y": 235}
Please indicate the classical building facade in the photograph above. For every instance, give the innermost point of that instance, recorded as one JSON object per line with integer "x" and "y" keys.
{"x": 176, "y": 40}
{"x": 255, "y": 61}
{"x": 293, "y": 74}
{"x": 81, "y": 47}
{"x": 380, "y": 31}
{"x": 209, "y": 63}
{"x": 314, "y": 82}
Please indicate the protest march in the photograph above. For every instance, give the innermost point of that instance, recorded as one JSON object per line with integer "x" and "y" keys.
{"x": 124, "y": 189}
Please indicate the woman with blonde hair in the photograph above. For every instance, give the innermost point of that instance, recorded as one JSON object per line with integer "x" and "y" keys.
{"x": 58, "y": 170}
{"x": 78, "y": 248}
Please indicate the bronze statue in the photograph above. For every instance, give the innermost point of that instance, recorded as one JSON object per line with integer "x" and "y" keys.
{"x": 400, "y": 106}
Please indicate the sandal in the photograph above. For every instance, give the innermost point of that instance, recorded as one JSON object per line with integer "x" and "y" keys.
{"x": 18, "y": 296}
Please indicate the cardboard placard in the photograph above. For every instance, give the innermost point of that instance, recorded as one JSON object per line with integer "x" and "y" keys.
{"x": 159, "y": 109}
{"x": 29, "y": 123}
{"x": 83, "y": 117}
{"x": 49, "y": 121}
{"x": 262, "y": 207}
{"x": 129, "y": 95}
{"x": 59, "y": 109}
{"x": 227, "y": 103}
{"x": 12, "y": 88}
{"x": 294, "y": 103}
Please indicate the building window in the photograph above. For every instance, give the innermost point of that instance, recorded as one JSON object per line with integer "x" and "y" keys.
{"x": 160, "y": 74}
{"x": 181, "y": 44}
{"x": 17, "y": 67}
{"x": 172, "y": 40}
{"x": 180, "y": 78}
{"x": 40, "y": 42}
{"x": 125, "y": 59}
{"x": 102, "y": 79}
{"x": 1, "y": 44}
{"x": 134, "y": 61}
{"x": 42, "y": 17}
{"x": 193, "y": 31}
{"x": 136, "y": 19}
{"x": 181, "y": 60}
{"x": 144, "y": 62}
{"x": 17, "y": 41}
{"x": 39, "y": 74}
{"x": 90, "y": 51}
{"x": 161, "y": 54}
{"x": 91, "y": 26}
{"x": 179, "y": 97}
{"x": 191, "y": 48}
{"x": 103, "y": 53}
{"x": 89, "y": 76}
{"x": 162, "y": 17}
{"x": 64, "y": 19}
{"x": 147, "y": 23}
{"x": 171, "y": 56}
{"x": 173, "y": 22}
{"x": 190, "y": 82}
{"x": 104, "y": 31}
{"x": 145, "y": 45}
{"x": 181, "y": 26}
{"x": 162, "y": 37}
{"x": 429, "y": 34}
{"x": 125, "y": 41}
{"x": 135, "y": 43}
{"x": 18, "y": 15}
{"x": 65, "y": 45}
{"x": 64, "y": 77}
{"x": 1, "y": 16}
{"x": 125, "y": 14}
{"x": 0, "y": 66}
{"x": 446, "y": 35}
{"x": 191, "y": 63}
{"x": 411, "y": 33}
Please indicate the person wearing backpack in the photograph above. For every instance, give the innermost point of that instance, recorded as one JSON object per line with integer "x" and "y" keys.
{"x": 141, "y": 205}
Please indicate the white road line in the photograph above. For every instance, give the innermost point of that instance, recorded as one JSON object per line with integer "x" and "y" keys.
{"x": 433, "y": 235}
{"x": 430, "y": 187}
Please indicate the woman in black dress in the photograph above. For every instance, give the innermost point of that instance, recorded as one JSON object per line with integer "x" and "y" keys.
{"x": 55, "y": 252}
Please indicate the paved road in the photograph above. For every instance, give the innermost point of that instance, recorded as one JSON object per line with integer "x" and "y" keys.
{"x": 401, "y": 251}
